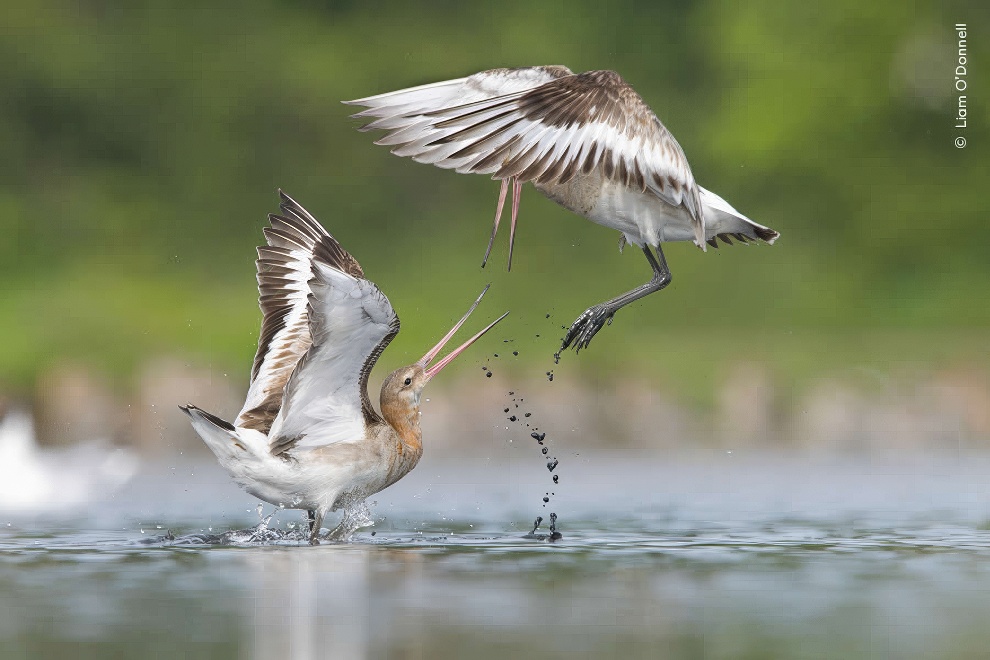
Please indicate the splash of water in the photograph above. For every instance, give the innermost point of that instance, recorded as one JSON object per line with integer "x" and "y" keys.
{"x": 356, "y": 515}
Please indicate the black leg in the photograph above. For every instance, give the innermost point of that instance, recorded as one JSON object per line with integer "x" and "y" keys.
{"x": 313, "y": 529}
{"x": 594, "y": 318}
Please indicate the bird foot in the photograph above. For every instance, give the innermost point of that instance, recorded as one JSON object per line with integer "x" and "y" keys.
{"x": 585, "y": 327}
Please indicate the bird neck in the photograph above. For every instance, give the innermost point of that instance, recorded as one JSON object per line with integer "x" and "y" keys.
{"x": 405, "y": 420}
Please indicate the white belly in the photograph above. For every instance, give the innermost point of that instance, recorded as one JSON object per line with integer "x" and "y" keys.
{"x": 313, "y": 481}
{"x": 644, "y": 219}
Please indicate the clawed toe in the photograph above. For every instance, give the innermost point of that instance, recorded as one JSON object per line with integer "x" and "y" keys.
{"x": 585, "y": 327}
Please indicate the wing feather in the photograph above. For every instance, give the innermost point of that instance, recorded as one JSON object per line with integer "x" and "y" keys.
{"x": 285, "y": 269}
{"x": 550, "y": 129}
{"x": 326, "y": 397}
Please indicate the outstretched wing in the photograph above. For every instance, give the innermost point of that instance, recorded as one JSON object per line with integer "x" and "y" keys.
{"x": 285, "y": 268}
{"x": 405, "y": 112}
{"x": 548, "y": 134}
{"x": 326, "y": 398}
{"x": 417, "y": 101}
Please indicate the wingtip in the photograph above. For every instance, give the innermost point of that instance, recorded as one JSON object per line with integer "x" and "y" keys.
{"x": 768, "y": 235}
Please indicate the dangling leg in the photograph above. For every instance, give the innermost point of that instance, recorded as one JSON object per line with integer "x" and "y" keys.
{"x": 498, "y": 216}
{"x": 516, "y": 194}
{"x": 594, "y": 318}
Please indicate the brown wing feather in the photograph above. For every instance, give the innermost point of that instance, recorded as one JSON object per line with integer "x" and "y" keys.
{"x": 284, "y": 268}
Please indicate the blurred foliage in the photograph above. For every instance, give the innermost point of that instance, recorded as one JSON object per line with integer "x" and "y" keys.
{"x": 143, "y": 143}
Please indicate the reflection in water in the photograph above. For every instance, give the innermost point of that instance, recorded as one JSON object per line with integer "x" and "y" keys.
{"x": 309, "y": 603}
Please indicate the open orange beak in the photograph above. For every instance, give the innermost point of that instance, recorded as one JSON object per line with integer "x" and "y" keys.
{"x": 432, "y": 371}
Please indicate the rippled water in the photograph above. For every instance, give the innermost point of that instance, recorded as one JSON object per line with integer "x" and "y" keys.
{"x": 713, "y": 556}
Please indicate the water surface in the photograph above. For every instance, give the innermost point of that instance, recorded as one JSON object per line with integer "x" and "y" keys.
{"x": 711, "y": 556}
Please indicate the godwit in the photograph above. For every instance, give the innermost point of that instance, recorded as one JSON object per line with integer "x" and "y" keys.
{"x": 587, "y": 141}
{"x": 308, "y": 436}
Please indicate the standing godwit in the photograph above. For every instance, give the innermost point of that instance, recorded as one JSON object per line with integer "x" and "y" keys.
{"x": 308, "y": 436}
{"x": 587, "y": 141}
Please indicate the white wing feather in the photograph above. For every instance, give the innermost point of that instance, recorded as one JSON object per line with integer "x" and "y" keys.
{"x": 448, "y": 93}
{"x": 538, "y": 126}
{"x": 349, "y": 319}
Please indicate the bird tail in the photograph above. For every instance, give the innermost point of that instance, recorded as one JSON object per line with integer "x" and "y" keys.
{"x": 723, "y": 223}
{"x": 220, "y": 436}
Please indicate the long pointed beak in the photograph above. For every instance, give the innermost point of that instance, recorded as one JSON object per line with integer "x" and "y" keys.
{"x": 433, "y": 370}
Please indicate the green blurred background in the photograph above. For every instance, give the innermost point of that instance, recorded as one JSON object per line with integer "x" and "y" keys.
{"x": 143, "y": 143}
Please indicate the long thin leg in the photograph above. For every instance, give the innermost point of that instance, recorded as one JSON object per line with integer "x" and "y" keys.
{"x": 498, "y": 216}
{"x": 315, "y": 522}
{"x": 516, "y": 194}
{"x": 594, "y": 318}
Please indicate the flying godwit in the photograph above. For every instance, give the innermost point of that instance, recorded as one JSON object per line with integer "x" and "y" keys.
{"x": 308, "y": 436}
{"x": 587, "y": 141}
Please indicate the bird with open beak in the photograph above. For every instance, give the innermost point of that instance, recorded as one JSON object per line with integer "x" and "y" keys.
{"x": 308, "y": 436}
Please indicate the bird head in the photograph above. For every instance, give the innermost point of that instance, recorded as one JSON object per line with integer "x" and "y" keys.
{"x": 402, "y": 388}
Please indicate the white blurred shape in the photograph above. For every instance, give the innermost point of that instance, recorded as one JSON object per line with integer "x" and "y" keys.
{"x": 34, "y": 480}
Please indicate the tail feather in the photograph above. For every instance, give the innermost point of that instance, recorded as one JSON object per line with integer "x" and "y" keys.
{"x": 220, "y": 436}
{"x": 723, "y": 221}
{"x": 193, "y": 412}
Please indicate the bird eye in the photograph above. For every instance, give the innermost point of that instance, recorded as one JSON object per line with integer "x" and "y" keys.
{"x": 408, "y": 381}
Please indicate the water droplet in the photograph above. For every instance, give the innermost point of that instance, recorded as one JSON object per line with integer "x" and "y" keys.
{"x": 538, "y": 436}
{"x": 545, "y": 450}
{"x": 488, "y": 374}
{"x": 551, "y": 464}
{"x": 556, "y": 477}
{"x": 506, "y": 410}
{"x": 527, "y": 414}
{"x": 546, "y": 499}
{"x": 516, "y": 353}
{"x": 554, "y": 534}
